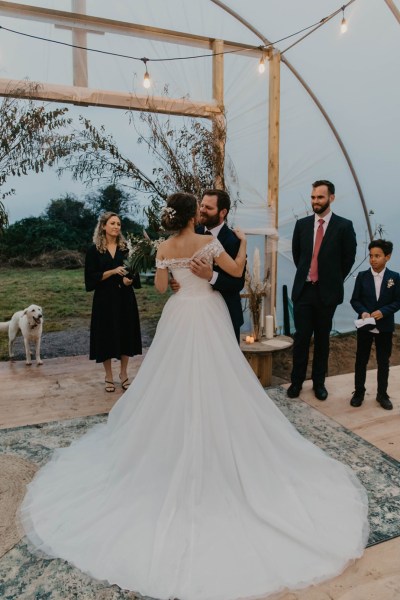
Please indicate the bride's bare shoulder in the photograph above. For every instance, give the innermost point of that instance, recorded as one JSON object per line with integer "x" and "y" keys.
{"x": 203, "y": 240}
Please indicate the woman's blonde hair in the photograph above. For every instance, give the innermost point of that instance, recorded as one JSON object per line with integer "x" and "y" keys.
{"x": 99, "y": 235}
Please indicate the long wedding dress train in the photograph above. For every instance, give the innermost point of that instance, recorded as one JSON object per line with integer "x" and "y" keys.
{"x": 197, "y": 487}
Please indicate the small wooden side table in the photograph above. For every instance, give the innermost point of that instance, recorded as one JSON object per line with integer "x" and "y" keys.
{"x": 259, "y": 355}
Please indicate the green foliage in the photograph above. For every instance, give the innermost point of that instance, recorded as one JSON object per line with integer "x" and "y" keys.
{"x": 187, "y": 157}
{"x": 35, "y": 235}
{"x": 31, "y": 137}
{"x": 113, "y": 199}
{"x": 66, "y": 224}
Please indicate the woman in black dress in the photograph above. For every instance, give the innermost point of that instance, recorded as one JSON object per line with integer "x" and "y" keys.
{"x": 115, "y": 326}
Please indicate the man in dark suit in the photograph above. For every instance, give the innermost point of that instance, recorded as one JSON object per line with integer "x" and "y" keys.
{"x": 214, "y": 209}
{"x": 324, "y": 249}
{"x": 376, "y": 294}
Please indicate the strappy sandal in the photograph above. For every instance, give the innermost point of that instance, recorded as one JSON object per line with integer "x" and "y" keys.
{"x": 110, "y": 387}
{"x": 125, "y": 384}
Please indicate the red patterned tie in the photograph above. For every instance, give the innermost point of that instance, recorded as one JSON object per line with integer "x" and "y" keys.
{"x": 314, "y": 261}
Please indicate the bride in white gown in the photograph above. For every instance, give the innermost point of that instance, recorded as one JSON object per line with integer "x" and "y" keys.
{"x": 197, "y": 487}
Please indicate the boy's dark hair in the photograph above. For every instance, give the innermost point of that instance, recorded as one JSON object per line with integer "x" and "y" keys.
{"x": 329, "y": 185}
{"x": 223, "y": 199}
{"x": 384, "y": 245}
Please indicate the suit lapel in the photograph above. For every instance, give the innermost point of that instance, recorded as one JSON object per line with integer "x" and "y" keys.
{"x": 309, "y": 228}
{"x": 387, "y": 275}
{"x": 330, "y": 230}
{"x": 370, "y": 280}
{"x": 222, "y": 233}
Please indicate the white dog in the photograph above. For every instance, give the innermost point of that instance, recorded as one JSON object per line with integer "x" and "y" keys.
{"x": 30, "y": 322}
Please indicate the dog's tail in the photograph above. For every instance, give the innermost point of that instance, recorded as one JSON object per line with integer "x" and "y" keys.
{"x": 4, "y": 326}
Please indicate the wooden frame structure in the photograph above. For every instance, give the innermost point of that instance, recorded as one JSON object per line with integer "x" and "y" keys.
{"x": 80, "y": 94}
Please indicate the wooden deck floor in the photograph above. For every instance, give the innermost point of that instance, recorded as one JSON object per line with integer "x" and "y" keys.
{"x": 65, "y": 388}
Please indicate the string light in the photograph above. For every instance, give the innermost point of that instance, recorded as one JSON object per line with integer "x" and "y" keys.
{"x": 343, "y": 25}
{"x": 146, "y": 78}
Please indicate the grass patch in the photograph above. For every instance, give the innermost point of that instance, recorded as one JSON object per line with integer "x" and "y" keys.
{"x": 65, "y": 303}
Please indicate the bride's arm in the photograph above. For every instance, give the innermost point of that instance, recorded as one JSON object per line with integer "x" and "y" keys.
{"x": 235, "y": 266}
{"x": 161, "y": 276}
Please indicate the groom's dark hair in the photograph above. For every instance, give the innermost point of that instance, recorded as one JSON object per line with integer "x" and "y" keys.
{"x": 223, "y": 199}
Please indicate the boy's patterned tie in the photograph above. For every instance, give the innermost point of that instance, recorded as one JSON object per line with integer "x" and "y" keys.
{"x": 314, "y": 261}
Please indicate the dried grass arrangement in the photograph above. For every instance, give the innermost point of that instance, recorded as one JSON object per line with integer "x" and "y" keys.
{"x": 256, "y": 289}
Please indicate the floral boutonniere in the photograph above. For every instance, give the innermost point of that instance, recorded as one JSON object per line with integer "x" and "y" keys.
{"x": 390, "y": 283}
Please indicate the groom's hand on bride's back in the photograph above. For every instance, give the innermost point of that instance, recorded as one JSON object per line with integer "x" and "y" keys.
{"x": 201, "y": 268}
{"x": 174, "y": 285}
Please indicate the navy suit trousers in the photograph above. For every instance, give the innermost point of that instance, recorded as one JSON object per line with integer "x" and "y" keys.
{"x": 311, "y": 317}
{"x": 383, "y": 347}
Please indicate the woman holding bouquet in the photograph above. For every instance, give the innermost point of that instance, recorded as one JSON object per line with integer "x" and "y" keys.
{"x": 114, "y": 326}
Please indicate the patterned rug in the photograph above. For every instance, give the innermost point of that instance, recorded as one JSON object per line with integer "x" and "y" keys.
{"x": 24, "y": 576}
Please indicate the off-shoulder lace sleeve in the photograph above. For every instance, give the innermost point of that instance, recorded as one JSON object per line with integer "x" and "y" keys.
{"x": 162, "y": 264}
{"x": 211, "y": 250}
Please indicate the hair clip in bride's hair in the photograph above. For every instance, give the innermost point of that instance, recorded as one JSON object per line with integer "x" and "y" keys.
{"x": 168, "y": 210}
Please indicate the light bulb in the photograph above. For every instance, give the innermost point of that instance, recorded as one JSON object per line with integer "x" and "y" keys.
{"x": 146, "y": 80}
{"x": 343, "y": 26}
{"x": 261, "y": 65}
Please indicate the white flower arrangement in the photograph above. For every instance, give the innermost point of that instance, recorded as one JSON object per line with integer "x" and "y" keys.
{"x": 390, "y": 283}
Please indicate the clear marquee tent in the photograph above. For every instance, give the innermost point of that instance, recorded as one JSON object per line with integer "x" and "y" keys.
{"x": 326, "y": 107}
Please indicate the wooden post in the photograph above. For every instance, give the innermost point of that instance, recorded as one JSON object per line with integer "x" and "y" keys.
{"x": 218, "y": 121}
{"x": 273, "y": 173}
{"x": 79, "y": 56}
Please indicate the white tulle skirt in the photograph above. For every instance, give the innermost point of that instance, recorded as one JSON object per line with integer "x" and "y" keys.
{"x": 197, "y": 488}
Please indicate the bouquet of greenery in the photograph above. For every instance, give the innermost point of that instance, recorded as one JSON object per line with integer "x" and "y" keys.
{"x": 141, "y": 253}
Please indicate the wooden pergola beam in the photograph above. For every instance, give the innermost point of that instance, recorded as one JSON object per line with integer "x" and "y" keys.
{"x": 101, "y": 25}
{"x": 110, "y": 99}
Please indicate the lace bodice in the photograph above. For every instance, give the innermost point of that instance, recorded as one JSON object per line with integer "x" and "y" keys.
{"x": 191, "y": 285}
{"x": 209, "y": 251}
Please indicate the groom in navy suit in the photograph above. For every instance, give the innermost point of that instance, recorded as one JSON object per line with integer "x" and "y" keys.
{"x": 376, "y": 294}
{"x": 214, "y": 209}
{"x": 324, "y": 249}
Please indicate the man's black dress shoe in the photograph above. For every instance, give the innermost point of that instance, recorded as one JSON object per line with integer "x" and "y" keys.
{"x": 384, "y": 400}
{"x": 293, "y": 390}
{"x": 320, "y": 391}
{"x": 357, "y": 399}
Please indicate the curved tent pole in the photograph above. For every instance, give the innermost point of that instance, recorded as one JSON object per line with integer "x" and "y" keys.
{"x": 339, "y": 140}
{"x": 394, "y": 9}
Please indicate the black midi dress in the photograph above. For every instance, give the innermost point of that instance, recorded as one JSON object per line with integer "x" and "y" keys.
{"x": 115, "y": 326}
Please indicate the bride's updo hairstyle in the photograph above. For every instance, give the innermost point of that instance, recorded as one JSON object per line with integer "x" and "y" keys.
{"x": 181, "y": 207}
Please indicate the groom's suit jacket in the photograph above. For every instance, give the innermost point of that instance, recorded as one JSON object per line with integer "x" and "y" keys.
{"x": 229, "y": 287}
{"x": 335, "y": 258}
{"x": 364, "y": 297}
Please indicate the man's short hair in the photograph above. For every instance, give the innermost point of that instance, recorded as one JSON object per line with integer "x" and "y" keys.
{"x": 223, "y": 199}
{"x": 384, "y": 245}
{"x": 329, "y": 185}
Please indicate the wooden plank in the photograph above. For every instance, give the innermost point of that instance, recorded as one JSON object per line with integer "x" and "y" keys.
{"x": 108, "y": 98}
{"x": 273, "y": 173}
{"x": 218, "y": 121}
{"x": 370, "y": 421}
{"x": 101, "y": 25}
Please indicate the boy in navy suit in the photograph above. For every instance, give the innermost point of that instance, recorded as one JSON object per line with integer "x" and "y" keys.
{"x": 376, "y": 294}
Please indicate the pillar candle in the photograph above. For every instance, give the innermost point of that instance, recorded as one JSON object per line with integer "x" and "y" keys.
{"x": 269, "y": 327}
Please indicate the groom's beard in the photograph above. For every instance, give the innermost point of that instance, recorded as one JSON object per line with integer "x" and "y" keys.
{"x": 209, "y": 221}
